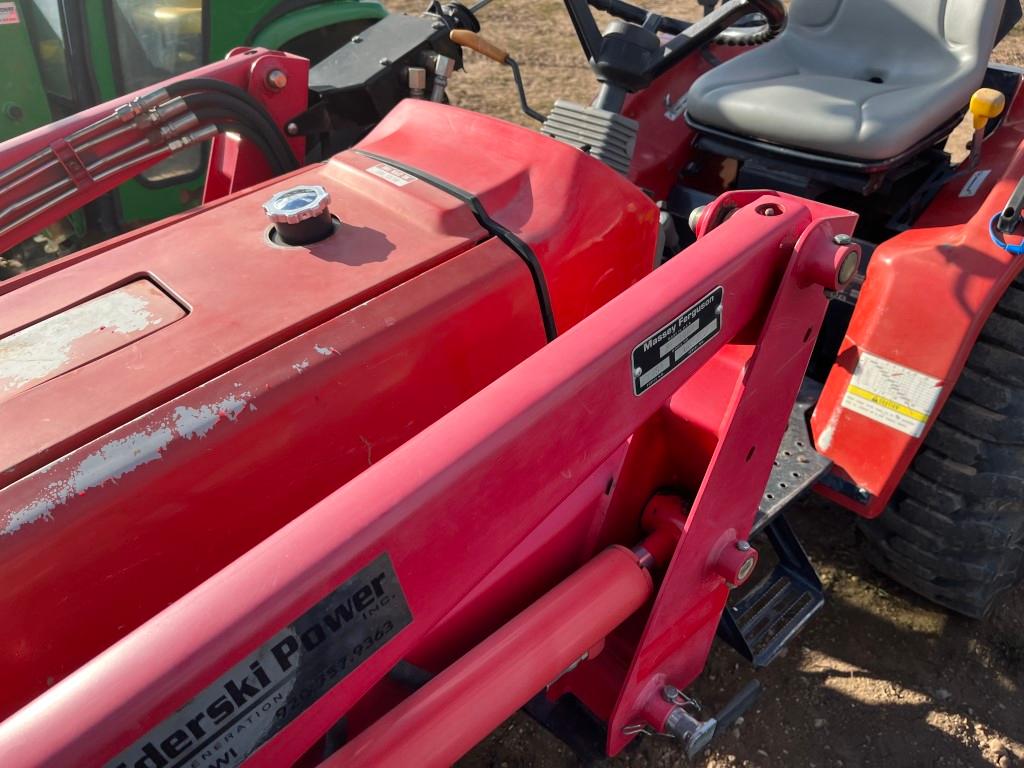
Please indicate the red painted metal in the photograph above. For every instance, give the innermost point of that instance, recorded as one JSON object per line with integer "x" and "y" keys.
{"x": 447, "y": 717}
{"x": 927, "y": 294}
{"x": 230, "y": 171}
{"x": 664, "y": 140}
{"x": 524, "y": 180}
{"x": 316, "y": 362}
{"x": 554, "y": 425}
{"x": 763, "y": 382}
{"x": 236, "y": 164}
{"x": 82, "y": 334}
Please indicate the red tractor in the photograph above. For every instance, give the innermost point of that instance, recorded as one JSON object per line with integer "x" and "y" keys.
{"x": 424, "y": 417}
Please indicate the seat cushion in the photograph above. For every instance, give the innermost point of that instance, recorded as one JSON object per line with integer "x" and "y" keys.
{"x": 868, "y": 97}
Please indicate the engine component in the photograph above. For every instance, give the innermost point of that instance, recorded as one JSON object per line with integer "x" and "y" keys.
{"x": 357, "y": 85}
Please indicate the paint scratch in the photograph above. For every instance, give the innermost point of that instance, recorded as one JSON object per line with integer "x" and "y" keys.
{"x": 37, "y": 351}
{"x": 119, "y": 457}
{"x": 196, "y": 422}
{"x": 114, "y": 460}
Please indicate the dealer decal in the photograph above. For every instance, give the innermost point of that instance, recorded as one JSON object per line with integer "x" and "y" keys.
{"x": 9, "y": 13}
{"x": 892, "y": 394}
{"x": 973, "y": 184}
{"x": 672, "y": 344}
{"x": 273, "y": 685}
{"x": 391, "y": 174}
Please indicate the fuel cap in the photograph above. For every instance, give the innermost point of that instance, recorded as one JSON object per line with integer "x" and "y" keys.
{"x": 300, "y": 215}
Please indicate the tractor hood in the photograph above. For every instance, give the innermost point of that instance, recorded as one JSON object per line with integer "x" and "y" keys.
{"x": 171, "y": 398}
{"x": 104, "y": 336}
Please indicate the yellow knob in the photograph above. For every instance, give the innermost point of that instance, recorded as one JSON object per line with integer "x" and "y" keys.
{"x": 986, "y": 103}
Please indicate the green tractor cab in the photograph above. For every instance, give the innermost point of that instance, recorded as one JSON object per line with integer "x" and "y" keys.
{"x": 71, "y": 54}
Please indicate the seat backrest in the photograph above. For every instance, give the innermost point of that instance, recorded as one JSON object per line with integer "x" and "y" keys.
{"x": 912, "y": 37}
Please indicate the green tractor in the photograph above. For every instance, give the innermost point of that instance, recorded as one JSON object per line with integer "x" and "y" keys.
{"x": 66, "y": 55}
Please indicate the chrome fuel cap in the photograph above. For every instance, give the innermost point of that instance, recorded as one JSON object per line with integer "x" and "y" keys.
{"x": 301, "y": 214}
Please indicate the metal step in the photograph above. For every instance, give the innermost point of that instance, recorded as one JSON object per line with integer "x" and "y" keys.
{"x": 765, "y": 619}
{"x": 797, "y": 465}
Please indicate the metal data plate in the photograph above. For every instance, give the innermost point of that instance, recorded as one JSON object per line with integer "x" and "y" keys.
{"x": 797, "y": 465}
{"x": 673, "y": 344}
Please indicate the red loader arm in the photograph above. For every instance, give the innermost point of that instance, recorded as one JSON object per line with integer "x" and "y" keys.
{"x": 52, "y": 171}
{"x": 562, "y": 451}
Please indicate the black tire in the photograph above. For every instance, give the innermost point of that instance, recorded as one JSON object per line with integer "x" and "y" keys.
{"x": 954, "y": 531}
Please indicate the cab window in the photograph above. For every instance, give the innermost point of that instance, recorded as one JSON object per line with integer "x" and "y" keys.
{"x": 48, "y": 39}
{"x": 155, "y": 40}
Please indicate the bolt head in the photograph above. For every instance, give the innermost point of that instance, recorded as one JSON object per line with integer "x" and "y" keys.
{"x": 670, "y": 693}
{"x": 437, "y": 25}
{"x": 276, "y": 80}
{"x": 743, "y": 546}
{"x": 357, "y": 38}
{"x": 292, "y": 129}
{"x": 694, "y": 218}
{"x": 385, "y": 61}
{"x": 842, "y": 240}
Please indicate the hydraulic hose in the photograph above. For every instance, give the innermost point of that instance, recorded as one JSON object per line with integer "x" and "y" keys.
{"x": 235, "y": 97}
{"x": 209, "y": 107}
{"x": 225, "y": 122}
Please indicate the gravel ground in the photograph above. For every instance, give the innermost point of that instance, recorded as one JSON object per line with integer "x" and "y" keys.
{"x": 881, "y": 678}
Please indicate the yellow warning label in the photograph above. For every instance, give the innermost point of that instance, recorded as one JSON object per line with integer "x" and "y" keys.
{"x": 892, "y": 394}
{"x": 885, "y": 402}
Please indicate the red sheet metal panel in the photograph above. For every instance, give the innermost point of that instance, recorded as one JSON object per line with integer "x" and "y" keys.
{"x": 244, "y": 295}
{"x": 115, "y": 530}
{"x": 579, "y": 216}
{"x": 141, "y": 472}
{"x": 81, "y": 334}
{"x": 927, "y": 295}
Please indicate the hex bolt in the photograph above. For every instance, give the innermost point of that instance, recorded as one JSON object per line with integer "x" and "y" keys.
{"x": 385, "y": 61}
{"x": 670, "y": 693}
{"x": 743, "y": 545}
{"x": 357, "y": 39}
{"x": 276, "y": 80}
{"x": 842, "y": 240}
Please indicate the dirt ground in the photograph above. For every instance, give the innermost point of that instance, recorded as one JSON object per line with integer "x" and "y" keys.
{"x": 881, "y": 677}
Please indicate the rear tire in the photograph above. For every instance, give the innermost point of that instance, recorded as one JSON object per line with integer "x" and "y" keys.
{"x": 954, "y": 531}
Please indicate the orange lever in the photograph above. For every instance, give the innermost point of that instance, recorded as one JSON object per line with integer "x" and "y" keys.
{"x": 475, "y": 42}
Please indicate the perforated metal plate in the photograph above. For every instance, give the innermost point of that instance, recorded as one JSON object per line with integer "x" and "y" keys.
{"x": 797, "y": 465}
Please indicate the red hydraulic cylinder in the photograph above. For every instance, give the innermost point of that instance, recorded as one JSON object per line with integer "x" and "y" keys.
{"x": 454, "y": 711}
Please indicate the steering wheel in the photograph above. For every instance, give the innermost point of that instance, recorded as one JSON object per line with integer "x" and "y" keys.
{"x": 632, "y": 56}
{"x": 744, "y": 32}
{"x": 741, "y": 34}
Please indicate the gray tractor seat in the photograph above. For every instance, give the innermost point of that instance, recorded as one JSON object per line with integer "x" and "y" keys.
{"x": 860, "y": 79}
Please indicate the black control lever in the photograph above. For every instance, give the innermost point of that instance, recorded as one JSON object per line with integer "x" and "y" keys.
{"x": 1011, "y": 215}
